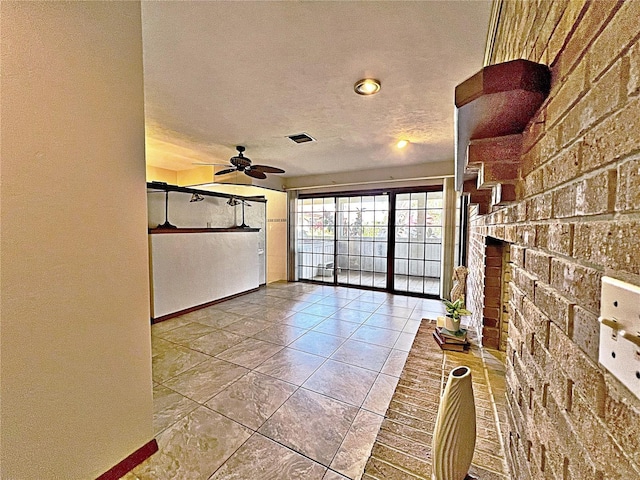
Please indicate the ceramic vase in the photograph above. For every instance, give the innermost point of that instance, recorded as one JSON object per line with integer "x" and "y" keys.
{"x": 454, "y": 435}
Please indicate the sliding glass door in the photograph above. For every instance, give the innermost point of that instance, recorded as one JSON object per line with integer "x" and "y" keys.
{"x": 361, "y": 240}
{"x": 315, "y": 252}
{"x": 389, "y": 241}
{"x": 418, "y": 242}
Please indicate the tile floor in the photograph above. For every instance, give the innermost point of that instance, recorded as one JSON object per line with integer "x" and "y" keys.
{"x": 289, "y": 382}
{"x": 403, "y": 283}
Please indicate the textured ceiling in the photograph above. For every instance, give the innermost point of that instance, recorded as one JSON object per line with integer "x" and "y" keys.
{"x": 220, "y": 74}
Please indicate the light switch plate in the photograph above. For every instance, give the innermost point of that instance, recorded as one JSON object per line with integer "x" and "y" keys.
{"x": 620, "y": 331}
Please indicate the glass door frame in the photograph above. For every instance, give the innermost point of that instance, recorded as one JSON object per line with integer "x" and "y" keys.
{"x": 391, "y": 243}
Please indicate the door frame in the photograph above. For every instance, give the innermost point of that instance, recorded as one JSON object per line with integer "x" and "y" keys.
{"x": 391, "y": 244}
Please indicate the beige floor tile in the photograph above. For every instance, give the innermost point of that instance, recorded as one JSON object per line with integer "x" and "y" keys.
{"x": 363, "y": 306}
{"x": 395, "y": 311}
{"x": 206, "y": 379}
{"x": 403, "y": 301}
{"x": 376, "y": 336}
{"x": 404, "y": 342}
{"x": 302, "y": 320}
{"x": 247, "y": 327}
{"x": 280, "y": 334}
{"x": 169, "y": 407}
{"x": 236, "y": 305}
{"x": 361, "y": 354}
{"x": 250, "y": 353}
{"x": 375, "y": 297}
{"x": 351, "y": 315}
{"x": 339, "y": 328}
{"x": 386, "y": 321}
{"x": 170, "y": 324}
{"x": 252, "y": 399}
{"x": 185, "y": 333}
{"x": 333, "y": 301}
{"x": 318, "y": 343}
{"x": 158, "y": 345}
{"x": 298, "y": 306}
{"x": 379, "y": 396}
{"x": 290, "y": 365}
{"x": 252, "y": 310}
{"x": 350, "y": 293}
{"x": 193, "y": 447}
{"x": 331, "y": 475}
{"x": 395, "y": 363}
{"x": 311, "y": 424}
{"x": 352, "y": 455}
{"x": 215, "y": 342}
{"x": 262, "y": 458}
{"x": 271, "y": 301}
{"x": 343, "y": 382}
{"x": 175, "y": 360}
{"x": 412, "y": 326}
{"x": 219, "y": 318}
{"x": 273, "y": 315}
{"x": 309, "y": 297}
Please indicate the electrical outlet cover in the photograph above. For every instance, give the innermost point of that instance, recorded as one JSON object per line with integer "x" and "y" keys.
{"x": 620, "y": 332}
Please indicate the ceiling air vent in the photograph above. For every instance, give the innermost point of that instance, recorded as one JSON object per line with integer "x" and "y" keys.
{"x": 301, "y": 138}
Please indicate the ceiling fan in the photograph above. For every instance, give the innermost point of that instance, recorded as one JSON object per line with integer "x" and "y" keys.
{"x": 240, "y": 163}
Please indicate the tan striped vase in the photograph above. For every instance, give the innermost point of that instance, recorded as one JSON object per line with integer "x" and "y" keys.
{"x": 454, "y": 436}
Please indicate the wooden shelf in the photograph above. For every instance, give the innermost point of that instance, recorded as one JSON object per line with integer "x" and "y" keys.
{"x": 202, "y": 230}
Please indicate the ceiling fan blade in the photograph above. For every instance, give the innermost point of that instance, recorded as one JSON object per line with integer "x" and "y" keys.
{"x": 255, "y": 173}
{"x": 211, "y": 164}
{"x": 267, "y": 169}
{"x": 228, "y": 170}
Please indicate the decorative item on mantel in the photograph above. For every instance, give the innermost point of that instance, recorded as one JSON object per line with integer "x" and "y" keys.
{"x": 459, "y": 289}
{"x": 455, "y": 311}
{"x": 448, "y": 334}
{"x": 454, "y": 434}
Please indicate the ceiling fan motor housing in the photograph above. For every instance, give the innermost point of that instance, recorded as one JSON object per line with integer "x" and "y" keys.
{"x": 240, "y": 161}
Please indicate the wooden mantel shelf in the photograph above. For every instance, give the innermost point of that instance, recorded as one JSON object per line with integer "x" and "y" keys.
{"x": 493, "y": 108}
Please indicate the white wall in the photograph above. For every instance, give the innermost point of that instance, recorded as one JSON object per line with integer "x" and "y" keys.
{"x": 276, "y": 226}
{"x": 75, "y": 357}
{"x": 191, "y": 269}
{"x": 213, "y": 212}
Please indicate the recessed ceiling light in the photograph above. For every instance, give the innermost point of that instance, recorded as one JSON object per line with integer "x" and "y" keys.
{"x": 367, "y": 86}
{"x": 402, "y": 143}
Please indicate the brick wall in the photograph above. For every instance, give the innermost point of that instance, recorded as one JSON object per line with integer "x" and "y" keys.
{"x": 576, "y": 219}
{"x": 504, "y": 306}
{"x": 494, "y": 311}
{"x": 492, "y": 296}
